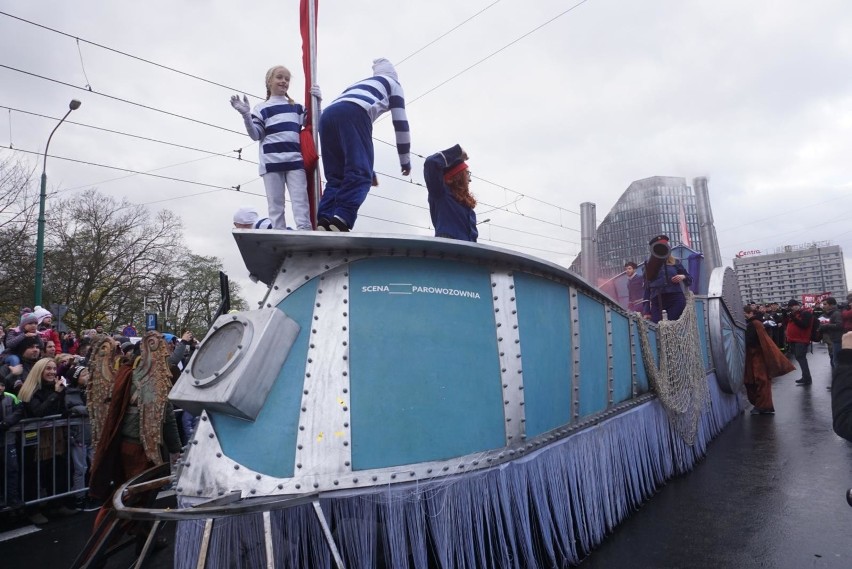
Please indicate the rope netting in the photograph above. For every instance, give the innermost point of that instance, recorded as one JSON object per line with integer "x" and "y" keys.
{"x": 679, "y": 381}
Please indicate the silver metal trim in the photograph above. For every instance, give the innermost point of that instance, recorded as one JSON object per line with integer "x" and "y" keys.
{"x": 574, "y": 302}
{"x": 323, "y": 440}
{"x": 299, "y": 268}
{"x": 509, "y": 350}
{"x": 610, "y": 369}
{"x": 725, "y": 305}
{"x": 326, "y": 531}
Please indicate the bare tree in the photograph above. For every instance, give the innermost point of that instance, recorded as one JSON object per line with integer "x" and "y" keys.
{"x": 189, "y": 296}
{"x": 104, "y": 255}
{"x": 18, "y": 211}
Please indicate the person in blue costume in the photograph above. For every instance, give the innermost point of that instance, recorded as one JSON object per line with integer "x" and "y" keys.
{"x": 450, "y": 201}
{"x": 665, "y": 290}
{"x": 346, "y": 134}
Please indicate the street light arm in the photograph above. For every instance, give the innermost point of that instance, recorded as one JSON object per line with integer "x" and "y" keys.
{"x": 44, "y": 167}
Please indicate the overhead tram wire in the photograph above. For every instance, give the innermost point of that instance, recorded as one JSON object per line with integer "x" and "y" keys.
{"x": 169, "y": 113}
{"x": 234, "y": 189}
{"x": 445, "y": 34}
{"x": 118, "y": 168}
{"x": 130, "y": 55}
{"x": 129, "y": 102}
{"x": 493, "y": 207}
{"x": 139, "y": 137}
{"x": 98, "y": 184}
{"x": 487, "y": 57}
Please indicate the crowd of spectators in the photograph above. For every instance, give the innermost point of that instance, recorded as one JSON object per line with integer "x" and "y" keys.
{"x": 44, "y": 376}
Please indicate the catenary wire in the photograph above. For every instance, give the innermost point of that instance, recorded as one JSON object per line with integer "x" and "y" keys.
{"x": 139, "y": 137}
{"x": 148, "y": 61}
{"x": 127, "y": 101}
{"x": 170, "y": 178}
{"x": 445, "y": 34}
{"x": 114, "y": 98}
{"x": 492, "y": 54}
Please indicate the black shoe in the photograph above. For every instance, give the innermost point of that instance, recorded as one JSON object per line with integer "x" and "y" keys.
{"x": 88, "y": 505}
{"x": 338, "y": 224}
{"x": 804, "y": 383}
{"x": 323, "y": 224}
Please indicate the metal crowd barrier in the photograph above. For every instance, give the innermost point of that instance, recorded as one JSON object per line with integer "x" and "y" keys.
{"x": 42, "y": 449}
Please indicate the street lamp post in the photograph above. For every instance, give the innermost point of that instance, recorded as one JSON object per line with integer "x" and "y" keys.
{"x": 39, "y": 273}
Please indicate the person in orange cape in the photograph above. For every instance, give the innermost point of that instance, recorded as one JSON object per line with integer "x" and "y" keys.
{"x": 763, "y": 362}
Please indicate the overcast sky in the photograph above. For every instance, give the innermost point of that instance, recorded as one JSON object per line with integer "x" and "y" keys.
{"x": 755, "y": 95}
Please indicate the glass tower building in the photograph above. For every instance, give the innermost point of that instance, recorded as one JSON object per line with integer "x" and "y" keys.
{"x": 649, "y": 207}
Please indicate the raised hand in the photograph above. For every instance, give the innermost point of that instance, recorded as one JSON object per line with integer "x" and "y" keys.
{"x": 242, "y": 107}
{"x": 315, "y": 92}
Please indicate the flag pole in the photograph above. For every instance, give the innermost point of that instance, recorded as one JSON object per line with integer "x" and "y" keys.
{"x": 315, "y": 108}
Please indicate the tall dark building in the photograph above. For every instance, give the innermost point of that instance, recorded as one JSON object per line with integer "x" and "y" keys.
{"x": 649, "y": 207}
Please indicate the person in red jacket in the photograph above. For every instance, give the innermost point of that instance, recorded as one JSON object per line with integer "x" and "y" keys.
{"x": 847, "y": 314}
{"x": 799, "y": 325}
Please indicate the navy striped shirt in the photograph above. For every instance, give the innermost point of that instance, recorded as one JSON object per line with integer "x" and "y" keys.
{"x": 276, "y": 124}
{"x": 377, "y": 95}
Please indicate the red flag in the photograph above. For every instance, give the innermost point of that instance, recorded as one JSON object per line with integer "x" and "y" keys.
{"x": 684, "y": 228}
{"x": 306, "y": 137}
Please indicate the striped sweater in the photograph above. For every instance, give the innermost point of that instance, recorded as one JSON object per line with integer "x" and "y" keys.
{"x": 377, "y": 95}
{"x": 276, "y": 124}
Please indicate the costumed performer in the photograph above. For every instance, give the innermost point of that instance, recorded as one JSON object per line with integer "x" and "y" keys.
{"x": 346, "y": 135}
{"x": 275, "y": 124}
{"x": 450, "y": 201}
{"x": 763, "y": 362}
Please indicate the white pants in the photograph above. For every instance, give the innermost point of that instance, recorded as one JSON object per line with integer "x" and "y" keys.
{"x": 297, "y": 185}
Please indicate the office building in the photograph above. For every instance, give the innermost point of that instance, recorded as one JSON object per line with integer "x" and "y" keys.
{"x": 649, "y": 207}
{"x": 791, "y": 271}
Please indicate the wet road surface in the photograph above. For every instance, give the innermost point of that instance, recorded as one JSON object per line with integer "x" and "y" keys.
{"x": 770, "y": 493}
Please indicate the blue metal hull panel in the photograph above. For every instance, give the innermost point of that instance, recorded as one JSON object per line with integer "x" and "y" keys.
{"x": 593, "y": 355}
{"x": 544, "y": 320}
{"x": 641, "y": 375}
{"x": 622, "y": 367}
{"x": 276, "y": 425}
{"x": 424, "y": 366}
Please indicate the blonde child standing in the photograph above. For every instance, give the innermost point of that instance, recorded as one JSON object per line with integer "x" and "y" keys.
{"x": 276, "y": 123}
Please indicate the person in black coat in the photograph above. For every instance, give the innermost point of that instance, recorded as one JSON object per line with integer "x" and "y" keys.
{"x": 841, "y": 390}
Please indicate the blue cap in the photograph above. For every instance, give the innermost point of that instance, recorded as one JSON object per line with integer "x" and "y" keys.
{"x": 169, "y": 337}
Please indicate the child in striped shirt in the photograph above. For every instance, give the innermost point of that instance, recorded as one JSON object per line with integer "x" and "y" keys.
{"x": 346, "y": 131}
{"x": 276, "y": 123}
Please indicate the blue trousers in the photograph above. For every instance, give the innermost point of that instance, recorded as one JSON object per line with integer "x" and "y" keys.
{"x": 346, "y": 134}
{"x": 672, "y": 302}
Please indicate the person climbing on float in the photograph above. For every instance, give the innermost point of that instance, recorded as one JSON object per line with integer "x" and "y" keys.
{"x": 450, "y": 201}
{"x": 346, "y": 135}
{"x": 276, "y": 123}
{"x": 665, "y": 281}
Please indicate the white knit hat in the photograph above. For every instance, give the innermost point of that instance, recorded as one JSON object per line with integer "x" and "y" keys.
{"x": 382, "y": 66}
{"x": 41, "y": 313}
{"x": 246, "y": 215}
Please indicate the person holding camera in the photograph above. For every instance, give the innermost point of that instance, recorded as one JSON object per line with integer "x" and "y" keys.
{"x": 666, "y": 280}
